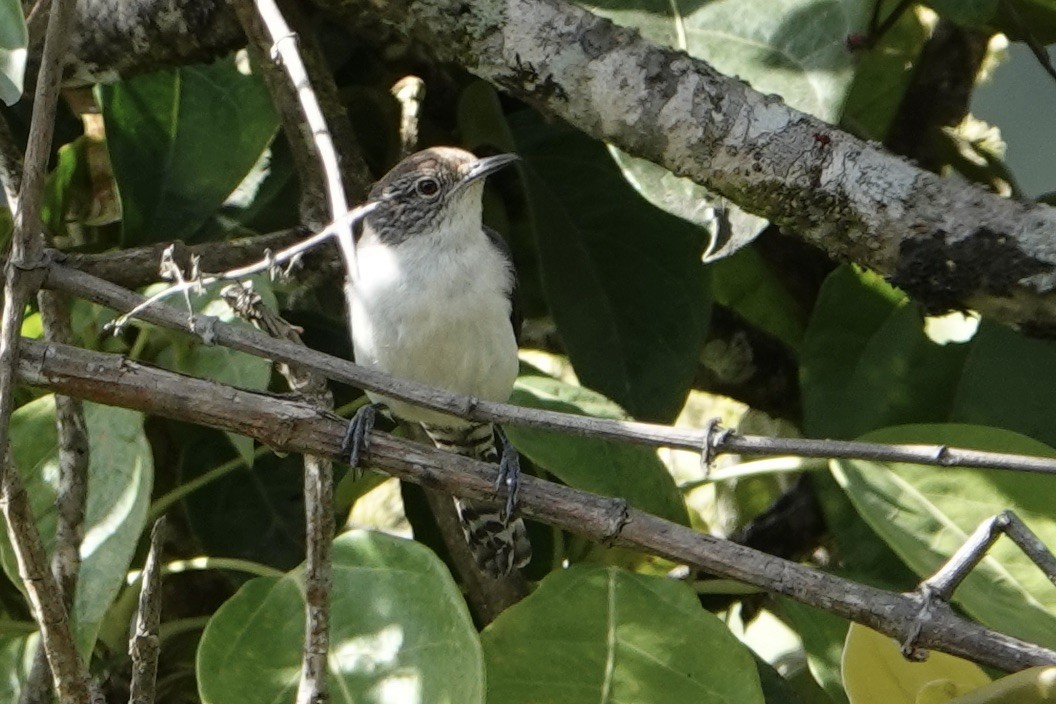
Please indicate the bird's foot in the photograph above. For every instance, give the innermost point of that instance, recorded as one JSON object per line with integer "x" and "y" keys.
{"x": 357, "y": 436}
{"x": 509, "y": 473}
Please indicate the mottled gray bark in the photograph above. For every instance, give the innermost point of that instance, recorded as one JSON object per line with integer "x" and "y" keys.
{"x": 946, "y": 242}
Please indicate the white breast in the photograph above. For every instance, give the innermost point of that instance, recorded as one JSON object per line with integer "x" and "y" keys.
{"x": 436, "y": 310}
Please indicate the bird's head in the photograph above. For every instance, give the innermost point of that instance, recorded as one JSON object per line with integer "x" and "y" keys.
{"x": 434, "y": 190}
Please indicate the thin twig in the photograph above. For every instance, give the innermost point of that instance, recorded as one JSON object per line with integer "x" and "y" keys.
{"x": 144, "y": 646}
{"x": 68, "y": 671}
{"x": 72, "y": 433}
{"x": 696, "y": 440}
{"x": 318, "y": 500}
{"x": 284, "y": 50}
{"x": 1040, "y": 51}
{"x": 270, "y": 262}
{"x": 293, "y": 426}
{"x": 72, "y": 495}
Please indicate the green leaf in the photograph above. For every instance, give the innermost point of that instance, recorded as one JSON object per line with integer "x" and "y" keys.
{"x": 607, "y": 635}
{"x": 400, "y": 632}
{"x": 743, "y": 282}
{"x": 16, "y": 658}
{"x": 823, "y": 635}
{"x": 633, "y": 473}
{"x": 922, "y": 514}
{"x": 120, "y": 477}
{"x": 1006, "y": 381}
{"x": 13, "y": 43}
{"x": 623, "y": 280}
{"x": 180, "y": 142}
{"x": 251, "y": 513}
{"x": 884, "y": 72}
{"x": 693, "y": 203}
{"x": 867, "y": 363}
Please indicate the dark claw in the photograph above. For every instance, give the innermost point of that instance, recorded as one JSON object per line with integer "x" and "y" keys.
{"x": 357, "y": 436}
{"x": 509, "y": 473}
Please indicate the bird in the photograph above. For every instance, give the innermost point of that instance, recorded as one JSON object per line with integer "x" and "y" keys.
{"x": 434, "y": 301}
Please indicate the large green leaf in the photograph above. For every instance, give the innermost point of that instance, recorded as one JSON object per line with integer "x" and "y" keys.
{"x": 793, "y": 48}
{"x": 744, "y": 282}
{"x": 400, "y": 632}
{"x": 866, "y": 362}
{"x": 180, "y": 141}
{"x": 13, "y": 42}
{"x": 1007, "y": 381}
{"x": 120, "y": 477}
{"x": 924, "y": 515}
{"x": 607, "y": 635}
{"x": 253, "y": 512}
{"x": 614, "y": 469}
{"x": 623, "y": 279}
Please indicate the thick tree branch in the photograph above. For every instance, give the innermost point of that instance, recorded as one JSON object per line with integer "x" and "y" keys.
{"x": 947, "y": 243}
{"x": 944, "y": 241}
{"x": 292, "y": 426}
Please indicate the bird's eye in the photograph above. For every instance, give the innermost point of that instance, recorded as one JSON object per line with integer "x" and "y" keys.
{"x": 427, "y": 187}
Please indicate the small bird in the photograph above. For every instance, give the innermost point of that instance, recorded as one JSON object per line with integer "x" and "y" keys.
{"x": 434, "y": 301}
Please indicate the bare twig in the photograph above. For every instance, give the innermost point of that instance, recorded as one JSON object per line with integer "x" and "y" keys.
{"x": 72, "y": 495}
{"x": 943, "y": 583}
{"x": 10, "y": 164}
{"x": 283, "y": 42}
{"x": 696, "y": 440}
{"x": 318, "y": 501}
{"x": 268, "y": 263}
{"x": 935, "y": 591}
{"x": 73, "y": 447}
{"x": 144, "y": 645}
{"x": 68, "y": 671}
{"x": 293, "y": 426}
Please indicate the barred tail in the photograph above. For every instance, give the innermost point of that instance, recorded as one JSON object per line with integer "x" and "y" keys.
{"x": 499, "y": 545}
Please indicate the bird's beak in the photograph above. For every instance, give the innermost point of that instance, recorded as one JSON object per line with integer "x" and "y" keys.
{"x": 485, "y": 167}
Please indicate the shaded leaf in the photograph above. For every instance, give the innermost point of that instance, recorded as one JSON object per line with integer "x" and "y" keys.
{"x": 615, "y": 469}
{"x": 180, "y": 141}
{"x": 823, "y": 636}
{"x": 256, "y": 513}
{"x": 623, "y": 280}
{"x": 922, "y": 514}
{"x": 400, "y": 632}
{"x": 867, "y": 363}
{"x": 608, "y": 635}
{"x": 883, "y": 73}
{"x": 120, "y": 477}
